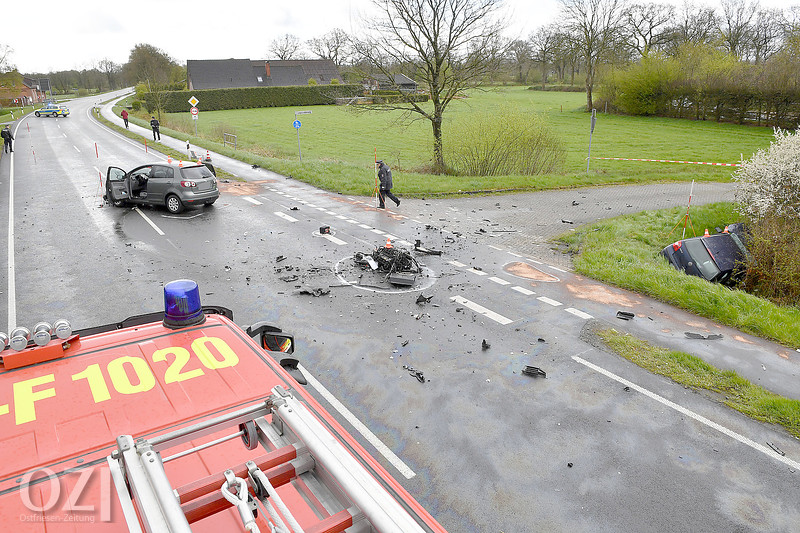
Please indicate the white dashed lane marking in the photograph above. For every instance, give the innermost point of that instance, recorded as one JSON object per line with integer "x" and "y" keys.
{"x": 547, "y": 300}
{"x": 379, "y": 232}
{"x": 488, "y": 313}
{"x": 457, "y": 264}
{"x": 364, "y": 226}
{"x": 579, "y": 314}
{"x": 522, "y": 290}
{"x": 252, "y": 200}
{"x": 334, "y": 240}
{"x": 477, "y": 272}
{"x": 499, "y": 281}
{"x": 556, "y": 268}
{"x": 285, "y": 216}
{"x": 691, "y": 414}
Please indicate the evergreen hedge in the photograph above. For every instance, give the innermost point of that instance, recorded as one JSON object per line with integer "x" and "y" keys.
{"x": 252, "y": 97}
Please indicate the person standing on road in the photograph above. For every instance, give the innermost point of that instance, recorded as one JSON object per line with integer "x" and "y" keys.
{"x": 7, "y": 138}
{"x": 385, "y": 177}
{"x": 125, "y": 117}
{"x": 154, "y": 124}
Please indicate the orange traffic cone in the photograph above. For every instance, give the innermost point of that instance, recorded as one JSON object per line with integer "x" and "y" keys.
{"x": 180, "y": 164}
{"x": 208, "y": 155}
{"x": 725, "y": 230}
{"x": 169, "y": 159}
{"x": 706, "y": 233}
{"x": 388, "y": 243}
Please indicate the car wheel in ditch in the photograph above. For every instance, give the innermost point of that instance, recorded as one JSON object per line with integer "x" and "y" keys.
{"x": 174, "y": 204}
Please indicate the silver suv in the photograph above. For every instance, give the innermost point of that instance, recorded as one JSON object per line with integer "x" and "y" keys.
{"x": 174, "y": 185}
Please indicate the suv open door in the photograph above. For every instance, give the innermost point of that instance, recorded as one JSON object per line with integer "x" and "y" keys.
{"x": 116, "y": 186}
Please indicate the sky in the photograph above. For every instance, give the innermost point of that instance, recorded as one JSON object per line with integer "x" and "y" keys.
{"x": 79, "y": 35}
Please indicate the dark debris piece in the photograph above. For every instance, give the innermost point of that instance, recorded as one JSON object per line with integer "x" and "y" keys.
{"x": 567, "y": 221}
{"x": 534, "y": 371}
{"x": 324, "y": 230}
{"x": 294, "y": 208}
{"x": 289, "y": 279}
{"x": 280, "y": 258}
{"x": 315, "y": 291}
{"x": 419, "y": 248}
{"x": 422, "y": 299}
{"x": 709, "y": 337}
{"x": 416, "y": 373}
{"x": 625, "y": 315}
{"x": 777, "y": 450}
{"x": 485, "y": 345}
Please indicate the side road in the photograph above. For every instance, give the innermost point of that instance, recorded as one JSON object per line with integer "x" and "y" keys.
{"x": 522, "y": 223}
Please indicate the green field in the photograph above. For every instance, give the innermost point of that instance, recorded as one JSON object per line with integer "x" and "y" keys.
{"x": 339, "y": 143}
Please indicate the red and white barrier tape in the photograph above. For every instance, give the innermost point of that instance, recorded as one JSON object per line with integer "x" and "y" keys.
{"x": 670, "y": 161}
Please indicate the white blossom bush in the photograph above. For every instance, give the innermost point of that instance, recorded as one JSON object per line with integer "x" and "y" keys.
{"x": 769, "y": 182}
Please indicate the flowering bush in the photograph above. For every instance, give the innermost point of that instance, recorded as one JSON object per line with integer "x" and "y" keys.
{"x": 769, "y": 182}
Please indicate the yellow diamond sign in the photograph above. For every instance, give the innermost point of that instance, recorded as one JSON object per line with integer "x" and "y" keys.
{"x": 194, "y": 101}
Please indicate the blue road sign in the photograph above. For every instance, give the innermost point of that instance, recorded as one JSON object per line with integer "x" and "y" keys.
{"x": 296, "y": 124}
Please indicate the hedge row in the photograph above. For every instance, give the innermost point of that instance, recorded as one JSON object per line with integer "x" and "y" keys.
{"x": 251, "y": 97}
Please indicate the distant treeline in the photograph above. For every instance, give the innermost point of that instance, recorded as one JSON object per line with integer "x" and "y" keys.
{"x": 704, "y": 83}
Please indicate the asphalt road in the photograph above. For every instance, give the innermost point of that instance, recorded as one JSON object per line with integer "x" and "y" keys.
{"x": 597, "y": 445}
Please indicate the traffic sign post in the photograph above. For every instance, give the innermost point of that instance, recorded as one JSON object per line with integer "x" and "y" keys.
{"x": 297, "y": 125}
{"x": 193, "y": 102}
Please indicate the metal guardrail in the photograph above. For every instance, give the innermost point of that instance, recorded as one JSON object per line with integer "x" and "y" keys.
{"x": 229, "y": 139}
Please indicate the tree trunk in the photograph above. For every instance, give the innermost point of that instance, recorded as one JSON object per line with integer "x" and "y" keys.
{"x": 589, "y": 84}
{"x": 438, "y": 154}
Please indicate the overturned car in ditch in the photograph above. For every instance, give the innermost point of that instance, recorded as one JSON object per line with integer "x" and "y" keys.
{"x": 719, "y": 257}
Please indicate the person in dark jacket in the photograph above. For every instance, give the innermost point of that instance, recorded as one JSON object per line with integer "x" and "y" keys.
{"x": 154, "y": 124}
{"x": 7, "y": 138}
{"x": 385, "y": 177}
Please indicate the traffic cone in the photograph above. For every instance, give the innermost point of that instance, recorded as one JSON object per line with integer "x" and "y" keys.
{"x": 208, "y": 155}
{"x": 725, "y": 230}
{"x": 388, "y": 243}
{"x": 180, "y": 164}
{"x": 706, "y": 233}
{"x": 169, "y": 159}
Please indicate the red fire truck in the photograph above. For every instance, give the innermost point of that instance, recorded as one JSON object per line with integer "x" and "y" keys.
{"x": 175, "y": 422}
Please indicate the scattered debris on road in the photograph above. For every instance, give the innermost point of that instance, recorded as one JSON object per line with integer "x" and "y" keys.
{"x": 324, "y": 230}
{"x": 313, "y": 291}
{"x": 777, "y": 450}
{"x": 567, "y": 221}
{"x": 416, "y": 373}
{"x": 418, "y": 248}
{"x": 485, "y": 345}
{"x": 422, "y": 299}
{"x": 534, "y": 371}
{"x": 709, "y": 337}
{"x": 280, "y": 258}
{"x": 625, "y": 315}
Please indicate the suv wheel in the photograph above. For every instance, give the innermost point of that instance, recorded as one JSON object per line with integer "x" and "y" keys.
{"x": 38, "y": 114}
{"x": 174, "y": 204}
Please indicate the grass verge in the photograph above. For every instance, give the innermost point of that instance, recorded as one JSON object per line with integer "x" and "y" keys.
{"x": 690, "y": 371}
{"x": 625, "y": 251}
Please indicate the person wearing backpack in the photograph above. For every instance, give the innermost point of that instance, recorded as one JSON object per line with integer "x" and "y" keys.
{"x": 385, "y": 177}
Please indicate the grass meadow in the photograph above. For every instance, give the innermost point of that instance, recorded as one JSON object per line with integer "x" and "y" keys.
{"x": 339, "y": 143}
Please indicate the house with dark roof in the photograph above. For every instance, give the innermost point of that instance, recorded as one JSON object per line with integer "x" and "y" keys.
{"x": 232, "y": 73}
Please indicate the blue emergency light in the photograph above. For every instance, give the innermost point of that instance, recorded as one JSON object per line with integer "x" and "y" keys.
{"x": 182, "y": 306}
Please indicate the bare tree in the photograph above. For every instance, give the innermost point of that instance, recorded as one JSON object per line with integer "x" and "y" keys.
{"x": 334, "y": 45}
{"x": 520, "y": 55}
{"x": 5, "y": 58}
{"x": 596, "y": 24}
{"x": 647, "y": 23}
{"x": 448, "y": 46}
{"x": 286, "y": 47}
{"x": 111, "y": 70}
{"x": 544, "y": 44}
{"x": 768, "y": 30}
{"x": 695, "y": 25}
{"x": 736, "y": 24}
